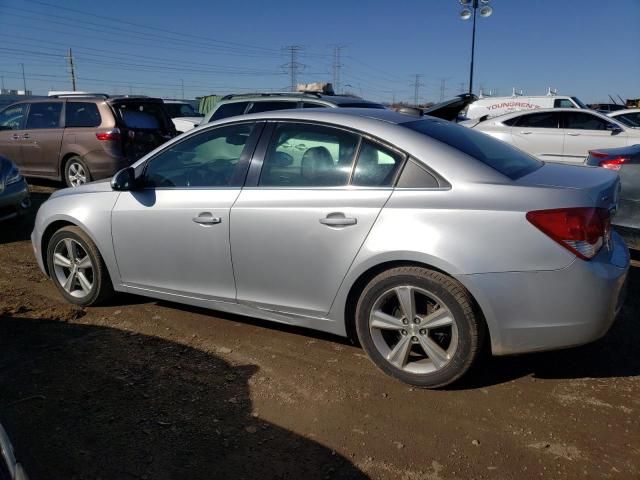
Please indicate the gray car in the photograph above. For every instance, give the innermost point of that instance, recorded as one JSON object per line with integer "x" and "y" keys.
{"x": 14, "y": 191}
{"x": 421, "y": 238}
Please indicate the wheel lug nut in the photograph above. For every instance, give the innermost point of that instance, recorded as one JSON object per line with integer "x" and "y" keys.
{"x": 423, "y": 331}
{"x": 415, "y": 339}
{"x": 416, "y": 320}
{"x": 405, "y": 321}
{"x": 404, "y": 332}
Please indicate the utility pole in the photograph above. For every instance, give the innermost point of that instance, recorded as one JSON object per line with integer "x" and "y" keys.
{"x": 416, "y": 88}
{"x": 293, "y": 65}
{"x": 73, "y": 70}
{"x": 182, "y": 85}
{"x": 443, "y": 88}
{"x": 24, "y": 80}
{"x": 2, "y": 77}
{"x": 336, "y": 67}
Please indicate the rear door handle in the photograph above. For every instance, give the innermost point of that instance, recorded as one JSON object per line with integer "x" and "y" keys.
{"x": 526, "y": 132}
{"x": 573, "y": 134}
{"x": 26, "y": 135}
{"x": 15, "y": 136}
{"x": 207, "y": 218}
{"x": 338, "y": 220}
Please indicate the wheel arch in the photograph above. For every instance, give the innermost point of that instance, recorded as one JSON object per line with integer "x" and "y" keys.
{"x": 365, "y": 277}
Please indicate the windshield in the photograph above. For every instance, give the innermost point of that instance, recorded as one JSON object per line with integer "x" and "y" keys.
{"x": 504, "y": 158}
{"x": 579, "y": 102}
{"x": 177, "y": 110}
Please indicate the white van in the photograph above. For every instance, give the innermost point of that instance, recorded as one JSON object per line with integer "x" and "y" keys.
{"x": 486, "y": 107}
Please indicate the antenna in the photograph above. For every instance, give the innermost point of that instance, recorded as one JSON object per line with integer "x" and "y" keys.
{"x": 613, "y": 100}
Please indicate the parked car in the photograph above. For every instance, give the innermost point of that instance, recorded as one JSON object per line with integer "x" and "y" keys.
{"x": 559, "y": 135}
{"x": 78, "y": 138}
{"x": 606, "y": 108}
{"x": 14, "y": 191}
{"x": 10, "y": 469}
{"x": 183, "y": 115}
{"x": 629, "y": 117}
{"x": 625, "y": 161}
{"x": 488, "y": 107}
{"x": 233, "y": 105}
{"x": 422, "y": 238}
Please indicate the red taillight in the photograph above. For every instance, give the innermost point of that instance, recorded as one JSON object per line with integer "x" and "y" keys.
{"x": 613, "y": 163}
{"x": 582, "y": 231}
{"x": 113, "y": 134}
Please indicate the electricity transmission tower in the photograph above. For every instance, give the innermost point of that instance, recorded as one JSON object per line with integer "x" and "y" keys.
{"x": 293, "y": 66}
{"x": 337, "y": 50}
{"x": 416, "y": 88}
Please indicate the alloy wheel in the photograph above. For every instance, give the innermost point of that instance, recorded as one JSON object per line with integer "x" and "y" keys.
{"x": 73, "y": 268}
{"x": 76, "y": 174}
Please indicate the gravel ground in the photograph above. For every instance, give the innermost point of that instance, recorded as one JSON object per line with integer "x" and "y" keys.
{"x": 155, "y": 390}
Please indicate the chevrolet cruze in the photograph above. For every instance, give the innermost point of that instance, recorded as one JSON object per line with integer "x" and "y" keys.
{"x": 423, "y": 239}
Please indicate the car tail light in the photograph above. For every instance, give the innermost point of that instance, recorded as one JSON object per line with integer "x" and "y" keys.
{"x": 113, "y": 135}
{"x": 608, "y": 162}
{"x": 582, "y": 231}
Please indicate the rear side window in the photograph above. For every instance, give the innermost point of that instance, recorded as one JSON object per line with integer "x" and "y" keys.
{"x": 377, "y": 166}
{"x": 629, "y": 119}
{"x": 143, "y": 115}
{"x": 82, "y": 114}
{"x": 229, "y": 110}
{"x": 539, "y": 120}
{"x": 269, "y": 106}
{"x": 44, "y": 115}
{"x": 504, "y": 158}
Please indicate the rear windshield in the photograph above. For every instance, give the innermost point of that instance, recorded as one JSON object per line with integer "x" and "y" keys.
{"x": 361, "y": 105}
{"x": 143, "y": 115}
{"x": 500, "y": 156}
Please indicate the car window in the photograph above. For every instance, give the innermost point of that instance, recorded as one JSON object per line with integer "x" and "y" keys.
{"x": 583, "y": 121}
{"x": 269, "y": 106}
{"x": 563, "y": 103}
{"x": 314, "y": 105}
{"x": 539, "y": 120}
{"x": 82, "y": 114}
{"x": 11, "y": 118}
{"x": 500, "y": 156}
{"x": 177, "y": 110}
{"x": 141, "y": 115}
{"x": 629, "y": 119}
{"x": 44, "y": 115}
{"x": 303, "y": 155}
{"x": 208, "y": 159}
{"x": 415, "y": 175}
{"x": 376, "y": 166}
{"x": 229, "y": 110}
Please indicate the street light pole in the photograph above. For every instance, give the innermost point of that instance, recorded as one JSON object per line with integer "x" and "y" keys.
{"x": 470, "y": 10}
{"x": 473, "y": 46}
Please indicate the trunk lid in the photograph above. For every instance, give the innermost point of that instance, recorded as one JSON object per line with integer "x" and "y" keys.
{"x": 602, "y": 186}
{"x": 144, "y": 125}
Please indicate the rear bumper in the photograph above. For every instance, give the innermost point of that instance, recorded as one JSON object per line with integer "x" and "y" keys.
{"x": 547, "y": 310}
{"x": 14, "y": 200}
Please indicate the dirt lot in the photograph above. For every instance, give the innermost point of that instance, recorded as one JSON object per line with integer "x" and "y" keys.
{"x": 153, "y": 390}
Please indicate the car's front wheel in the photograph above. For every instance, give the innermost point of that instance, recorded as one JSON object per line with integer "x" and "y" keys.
{"x": 77, "y": 268}
{"x": 419, "y": 326}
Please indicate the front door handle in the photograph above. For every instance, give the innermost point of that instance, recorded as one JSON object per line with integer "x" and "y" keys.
{"x": 573, "y": 134}
{"x": 526, "y": 132}
{"x": 26, "y": 135}
{"x": 338, "y": 220}
{"x": 15, "y": 136}
{"x": 207, "y": 218}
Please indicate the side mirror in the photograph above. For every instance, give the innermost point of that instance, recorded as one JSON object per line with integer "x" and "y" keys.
{"x": 613, "y": 128}
{"x": 124, "y": 180}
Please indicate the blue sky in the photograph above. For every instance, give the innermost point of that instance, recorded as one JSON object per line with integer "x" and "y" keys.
{"x": 587, "y": 48}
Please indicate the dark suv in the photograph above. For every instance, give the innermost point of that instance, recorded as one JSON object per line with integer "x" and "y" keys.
{"x": 79, "y": 138}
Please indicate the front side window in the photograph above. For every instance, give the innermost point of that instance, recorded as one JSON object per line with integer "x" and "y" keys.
{"x": 229, "y": 110}
{"x": 629, "y": 119}
{"x": 82, "y": 114}
{"x": 584, "y": 121}
{"x": 377, "y": 166}
{"x": 563, "y": 103}
{"x": 539, "y": 120}
{"x": 44, "y": 115}
{"x": 209, "y": 159}
{"x": 303, "y": 155}
{"x": 11, "y": 118}
{"x": 270, "y": 106}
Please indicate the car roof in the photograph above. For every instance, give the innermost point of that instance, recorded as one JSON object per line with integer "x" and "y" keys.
{"x": 622, "y": 112}
{"x": 263, "y": 97}
{"x": 507, "y": 116}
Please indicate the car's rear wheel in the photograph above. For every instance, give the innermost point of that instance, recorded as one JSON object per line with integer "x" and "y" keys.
{"x": 419, "y": 326}
{"x": 76, "y": 172}
{"x": 77, "y": 268}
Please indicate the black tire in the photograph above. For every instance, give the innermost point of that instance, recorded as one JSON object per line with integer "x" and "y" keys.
{"x": 72, "y": 162}
{"x": 469, "y": 326}
{"x": 101, "y": 288}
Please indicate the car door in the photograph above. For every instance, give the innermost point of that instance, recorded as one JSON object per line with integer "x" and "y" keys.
{"x": 539, "y": 134}
{"x": 171, "y": 234}
{"x": 302, "y": 216}
{"x": 586, "y": 131}
{"x": 12, "y": 131}
{"x": 42, "y": 139}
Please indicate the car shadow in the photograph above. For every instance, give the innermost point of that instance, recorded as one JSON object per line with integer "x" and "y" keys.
{"x": 614, "y": 355}
{"x": 19, "y": 229}
{"x": 86, "y": 402}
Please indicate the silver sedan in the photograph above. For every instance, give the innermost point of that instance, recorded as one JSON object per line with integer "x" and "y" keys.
{"x": 422, "y": 239}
